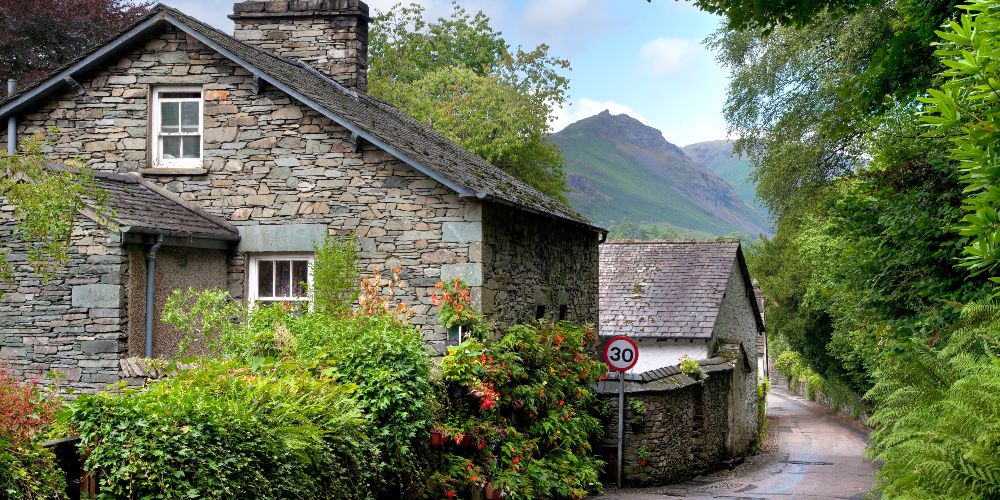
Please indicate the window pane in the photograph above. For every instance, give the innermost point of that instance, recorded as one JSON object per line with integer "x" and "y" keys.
{"x": 300, "y": 277}
{"x": 282, "y": 278}
{"x": 265, "y": 278}
{"x": 170, "y": 117}
{"x": 171, "y": 147}
{"x": 189, "y": 116}
{"x": 192, "y": 146}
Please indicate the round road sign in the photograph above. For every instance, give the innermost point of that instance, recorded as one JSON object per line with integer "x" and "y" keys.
{"x": 621, "y": 354}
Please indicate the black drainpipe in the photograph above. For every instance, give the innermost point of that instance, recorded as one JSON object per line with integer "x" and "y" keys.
{"x": 150, "y": 270}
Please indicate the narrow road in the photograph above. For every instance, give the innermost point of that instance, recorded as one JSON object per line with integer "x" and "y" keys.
{"x": 812, "y": 454}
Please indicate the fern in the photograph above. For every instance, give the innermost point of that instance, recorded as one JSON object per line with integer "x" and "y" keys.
{"x": 937, "y": 424}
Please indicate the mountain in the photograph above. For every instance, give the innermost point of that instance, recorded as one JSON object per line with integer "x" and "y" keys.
{"x": 718, "y": 156}
{"x": 619, "y": 169}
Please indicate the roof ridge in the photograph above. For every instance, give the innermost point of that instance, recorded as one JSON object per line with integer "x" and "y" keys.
{"x": 679, "y": 241}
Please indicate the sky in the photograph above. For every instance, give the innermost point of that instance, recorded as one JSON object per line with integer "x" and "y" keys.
{"x": 645, "y": 59}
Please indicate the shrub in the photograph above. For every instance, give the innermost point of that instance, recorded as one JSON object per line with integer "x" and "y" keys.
{"x": 763, "y": 387}
{"x": 789, "y": 364}
{"x": 937, "y": 417}
{"x": 27, "y": 470}
{"x": 390, "y": 364}
{"x": 521, "y": 414}
{"x": 386, "y": 359}
{"x": 814, "y": 385}
{"x": 335, "y": 275}
{"x": 224, "y": 430}
{"x": 691, "y": 368}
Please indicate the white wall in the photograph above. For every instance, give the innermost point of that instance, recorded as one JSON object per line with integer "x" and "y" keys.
{"x": 655, "y": 353}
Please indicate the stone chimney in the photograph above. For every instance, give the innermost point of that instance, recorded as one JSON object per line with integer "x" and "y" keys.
{"x": 329, "y": 35}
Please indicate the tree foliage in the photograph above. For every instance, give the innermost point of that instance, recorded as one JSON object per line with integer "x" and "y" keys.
{"x": 47, "y": 201}
{"x": 38, "y": 36}
{"x": 805, "y": 99}
{"x": 966, "y": 107}
{"x": 462, "y": 77}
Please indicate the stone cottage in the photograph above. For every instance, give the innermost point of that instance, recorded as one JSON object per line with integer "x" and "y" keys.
{"x": 677, "y": 298}
{"x": 229, "y": 157}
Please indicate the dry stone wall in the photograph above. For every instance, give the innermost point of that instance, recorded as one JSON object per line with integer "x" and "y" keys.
{"x": 684, "y": 425}
{"x": 74, "y": 323}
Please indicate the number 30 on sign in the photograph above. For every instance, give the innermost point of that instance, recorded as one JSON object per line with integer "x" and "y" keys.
{"x": 621, "y": 354}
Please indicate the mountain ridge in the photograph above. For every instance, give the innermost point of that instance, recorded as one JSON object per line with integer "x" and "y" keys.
{"x": 619, "y": 168}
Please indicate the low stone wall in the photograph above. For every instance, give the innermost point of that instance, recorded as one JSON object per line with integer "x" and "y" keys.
{"x": 798, "y": 388}
{"x": 684, "y": 425}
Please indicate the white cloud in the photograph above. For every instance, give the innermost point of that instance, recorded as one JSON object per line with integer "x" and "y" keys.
{"x": 567, "y": 25}
{"x": 668, "y": 56}
{"x": 583, "y": 107}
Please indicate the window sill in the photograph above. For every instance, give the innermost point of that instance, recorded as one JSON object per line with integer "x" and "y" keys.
{"x": 173, "y": 171}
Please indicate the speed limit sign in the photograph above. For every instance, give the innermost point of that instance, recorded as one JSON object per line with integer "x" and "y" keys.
{"x": 621, "y": 354}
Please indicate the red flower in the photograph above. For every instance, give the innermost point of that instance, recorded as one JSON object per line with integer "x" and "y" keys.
{"x": 449, "y": 494}
{"x": 516, "y": 460}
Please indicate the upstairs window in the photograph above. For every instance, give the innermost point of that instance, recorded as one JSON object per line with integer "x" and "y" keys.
{"x": 280, "y": 278}
{"x": 177, "y": 127}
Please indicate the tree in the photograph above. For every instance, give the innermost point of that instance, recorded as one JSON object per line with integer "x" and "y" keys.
{"x": 46, "y": 203}
{"x": 463, "y": 78}
{"x": 38, "y": 36}
{"x": 805, "y": 100}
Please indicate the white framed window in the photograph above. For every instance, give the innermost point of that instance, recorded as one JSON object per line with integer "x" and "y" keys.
{"x": 279, "y": 278}
{"x": 177, "y": 127}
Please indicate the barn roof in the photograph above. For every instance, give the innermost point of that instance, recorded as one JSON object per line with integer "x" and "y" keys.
{"x": 371, "y": 119}
{"x": 667, "y": 289}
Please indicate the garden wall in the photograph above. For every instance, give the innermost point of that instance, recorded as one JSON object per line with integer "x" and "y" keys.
{"x": 686, "y": 426}
{"x": 856, "y": 409}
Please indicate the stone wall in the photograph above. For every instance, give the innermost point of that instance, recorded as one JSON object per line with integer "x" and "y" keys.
{"x": 74, "y": 323}
{"x": 737, "y": 322}
{"x": 269, "y": 160}
{"x": 531, "y": 261}
{"x": 685, "y": 425}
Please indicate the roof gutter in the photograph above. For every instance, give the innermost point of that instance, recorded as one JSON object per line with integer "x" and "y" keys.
{"x": 11, "y": 123}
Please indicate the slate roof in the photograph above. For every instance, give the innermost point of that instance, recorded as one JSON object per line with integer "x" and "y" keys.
{"x": 665, "y": 289}
{"x": 372, "y": 118}
{"x": 140, "y": 207}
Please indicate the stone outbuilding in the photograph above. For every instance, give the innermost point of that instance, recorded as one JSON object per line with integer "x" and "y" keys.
{"x": 675, "y": 299}
{"x": 230, "y": 157}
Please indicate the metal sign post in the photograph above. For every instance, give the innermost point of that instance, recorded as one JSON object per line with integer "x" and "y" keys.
{"x": 621, "y": 423}
{"x": 621, "y": 354}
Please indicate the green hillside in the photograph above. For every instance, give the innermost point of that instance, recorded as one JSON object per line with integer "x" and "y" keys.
{"x": 619, "y": 168}
{"x": 718, "y": 156}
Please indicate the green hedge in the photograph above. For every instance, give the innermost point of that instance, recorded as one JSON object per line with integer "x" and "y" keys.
{"x": 223, "y": 430}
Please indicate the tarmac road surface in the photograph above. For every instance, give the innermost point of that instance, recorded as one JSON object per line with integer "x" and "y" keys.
{"x": 811, "y": 454}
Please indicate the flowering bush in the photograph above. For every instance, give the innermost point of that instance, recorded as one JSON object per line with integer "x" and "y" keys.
{"x": 455, "y": 303}
{"x": 521, "y": 414}
{"x": 691, "y": 368}
{"x": 26, "y": 469}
